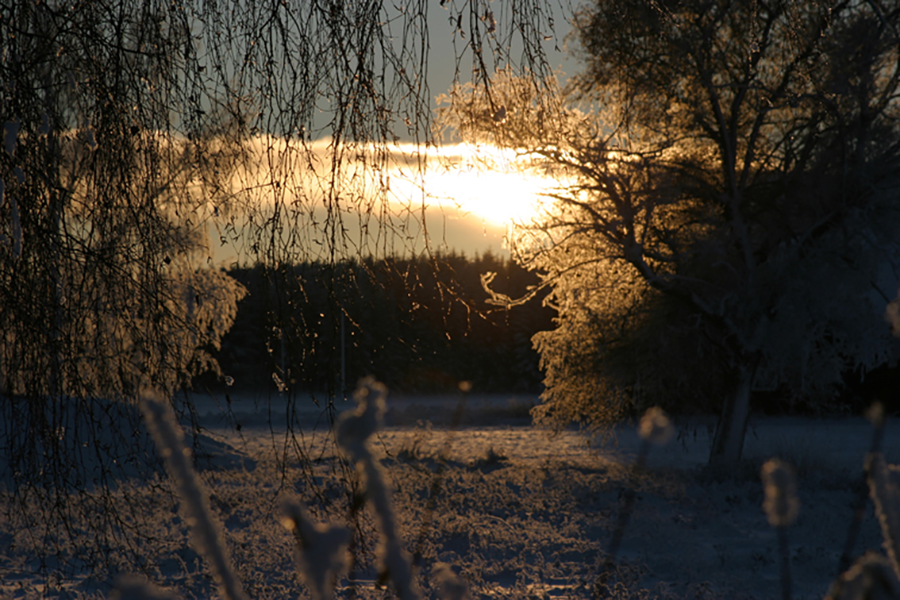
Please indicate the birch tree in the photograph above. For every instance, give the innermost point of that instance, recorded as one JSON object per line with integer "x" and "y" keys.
{"x": 139, "y": 136}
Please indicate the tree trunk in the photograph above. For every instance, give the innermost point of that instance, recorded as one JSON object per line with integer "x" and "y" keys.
{"x": 728, "y": 442}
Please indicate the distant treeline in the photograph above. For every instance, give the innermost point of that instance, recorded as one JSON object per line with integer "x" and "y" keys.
{"x": 418, "y": 325}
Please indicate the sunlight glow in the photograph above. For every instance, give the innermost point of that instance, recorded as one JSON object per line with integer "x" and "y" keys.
{"x": 498, "y": 186}
{"x": 501, "y": 187}
{"x": 405, "y": 196}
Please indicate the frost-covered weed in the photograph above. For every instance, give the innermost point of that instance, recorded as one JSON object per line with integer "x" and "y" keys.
{"x": 885, "y": 486}
{"x": 780, "y": 487}
{"x": 321, "y": 550}
{"x": 414, "y": 449}
{"x": 353, "y": 432}
{"x": 169, "y": 439}
{"x": 781, "y": 506}
{"x": 654, "y": 429}
{"x": 872, "y": 576}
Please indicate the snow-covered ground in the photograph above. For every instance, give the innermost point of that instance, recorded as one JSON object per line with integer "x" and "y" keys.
{"x": 521, "y": 512}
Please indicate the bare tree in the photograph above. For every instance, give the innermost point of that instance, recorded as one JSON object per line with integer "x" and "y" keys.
{"x": 726, "y": 220}
{"x": 103, "y": 288}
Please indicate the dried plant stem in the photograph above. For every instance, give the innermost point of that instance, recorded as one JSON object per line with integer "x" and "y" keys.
{"x": 784, "y": 551}
{"x": 169, "y": 440}
{"x": 862, "y": 500}
{"x": 625, "y": 514}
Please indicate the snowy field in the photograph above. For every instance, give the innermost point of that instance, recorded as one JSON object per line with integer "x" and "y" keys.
{"x": 521, "y": 513}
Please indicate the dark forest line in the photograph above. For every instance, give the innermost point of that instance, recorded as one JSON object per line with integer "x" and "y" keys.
{"x": 417, "y": 324}
{"x": 420, "y": 325}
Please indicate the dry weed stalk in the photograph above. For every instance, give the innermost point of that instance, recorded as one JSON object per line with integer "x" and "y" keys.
{"x": 872, "y": 576}
{"x": 781, "y": 506}
{"x": 353, "y": 431}
{"x": 169, "y": 439}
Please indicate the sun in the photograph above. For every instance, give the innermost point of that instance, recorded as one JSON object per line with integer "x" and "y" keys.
{"x": 487, "y": 183}
{"x": 499, "y": 198}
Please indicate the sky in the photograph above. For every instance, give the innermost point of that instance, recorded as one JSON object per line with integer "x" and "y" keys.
{"x": 470, "y": 207}
{"x": 442, "y": 57}
{"x": 486, "y": 197}
{"x": 456, "y": 197}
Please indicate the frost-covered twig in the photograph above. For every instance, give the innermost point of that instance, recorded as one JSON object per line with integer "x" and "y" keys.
{"x": 654, "y": 429}
{"x": 321, "y": 551}
{"x": 169, "y": 440}
{"x": 353, "y": 431}
{"x": 884, "y": 485}
{"x": 870, "y": 578}
{"x": 875, "y": 414}
{"x": 781, "y": 507}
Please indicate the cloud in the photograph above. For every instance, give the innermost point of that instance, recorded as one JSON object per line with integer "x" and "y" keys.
{"x": 382, "y": 198}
